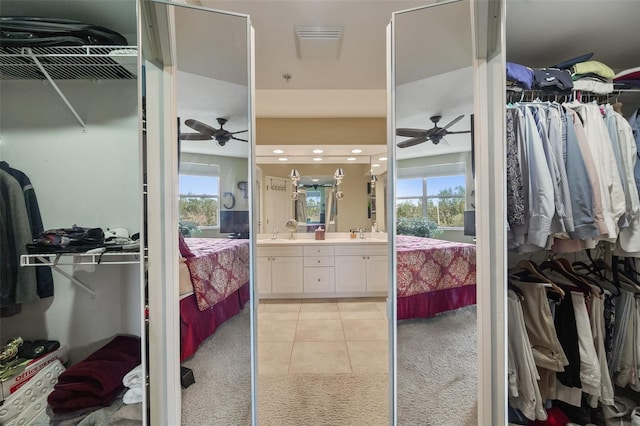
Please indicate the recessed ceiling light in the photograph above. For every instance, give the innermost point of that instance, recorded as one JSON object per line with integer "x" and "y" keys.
{"x": 356, "y": 151}
{"x": 278, "y": 151}
{"x": 375, "y": 165}
{"x": 351, "y": 159}
{"x": 315, "y": 180}
{"x": 283, "y": 159}
{"x": 318, "y": 151}
{"x": 317, "y": 159}
{"x": 382, "y": 158}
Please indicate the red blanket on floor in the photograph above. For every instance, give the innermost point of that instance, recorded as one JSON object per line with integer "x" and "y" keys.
{"x": 97, "y": 380}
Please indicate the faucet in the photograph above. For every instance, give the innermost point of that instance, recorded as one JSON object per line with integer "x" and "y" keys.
{"x": 274, "y": 236}
{"x": 361, "y": 233}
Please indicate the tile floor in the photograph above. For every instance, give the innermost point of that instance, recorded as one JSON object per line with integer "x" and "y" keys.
{"x": 326, "y": 336}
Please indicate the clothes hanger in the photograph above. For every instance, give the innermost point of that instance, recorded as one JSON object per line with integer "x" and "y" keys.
{"x": 557, "y": 266}
{"x": 516, "y": 290}
{"x": 602, "y": 283}
{"x": 531, "y": 269}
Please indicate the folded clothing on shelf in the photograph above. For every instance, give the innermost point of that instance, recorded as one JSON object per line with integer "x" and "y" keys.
{"x": 97, "y": 380}
{"x": 76, "y": 239}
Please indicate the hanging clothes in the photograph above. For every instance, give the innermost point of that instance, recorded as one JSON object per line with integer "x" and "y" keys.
{"x": 572, "y": 166}
{"x": 44, "y": 277}
{"x": 24, "y": 288}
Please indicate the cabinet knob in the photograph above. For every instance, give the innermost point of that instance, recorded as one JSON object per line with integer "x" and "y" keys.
{"x": 318, "y": 261}
{"x": 318, "y": 279}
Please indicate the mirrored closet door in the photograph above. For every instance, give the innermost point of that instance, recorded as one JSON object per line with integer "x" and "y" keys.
{"x": 208, "y": 132}
{"x": 434, "y": 215}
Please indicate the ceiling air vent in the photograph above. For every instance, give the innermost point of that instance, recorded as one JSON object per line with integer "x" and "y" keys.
{"x": 318, "y": 42}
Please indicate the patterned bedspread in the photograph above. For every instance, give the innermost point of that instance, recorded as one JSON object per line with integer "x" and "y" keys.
{"x": 425, "y": 265}
{"x": 220, "y": 267}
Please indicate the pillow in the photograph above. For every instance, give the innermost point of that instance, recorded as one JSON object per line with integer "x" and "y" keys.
{"x": 184, "y": 248}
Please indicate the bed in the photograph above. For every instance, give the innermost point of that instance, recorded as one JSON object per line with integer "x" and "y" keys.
{"x": 433, "y": 276}
{"x": 214, "y": 286}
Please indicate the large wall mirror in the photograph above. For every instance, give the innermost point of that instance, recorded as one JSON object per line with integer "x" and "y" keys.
{"x": 212, "y": 141}
{"x": 434, "y": 203}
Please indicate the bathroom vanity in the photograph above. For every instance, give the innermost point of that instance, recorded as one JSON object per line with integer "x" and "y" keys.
{"x": 339, "y": 266}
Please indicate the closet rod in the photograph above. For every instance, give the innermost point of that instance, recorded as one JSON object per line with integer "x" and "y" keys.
{"x": 55, "y": 86}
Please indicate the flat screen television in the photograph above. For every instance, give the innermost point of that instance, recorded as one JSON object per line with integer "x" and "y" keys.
{"x": 235, "y": 222}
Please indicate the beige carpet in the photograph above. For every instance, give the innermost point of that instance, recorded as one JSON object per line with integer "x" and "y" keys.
{"x": 324, "y": 400}
{"x": 437, "y": 370}
{"x": 221, "y": 394}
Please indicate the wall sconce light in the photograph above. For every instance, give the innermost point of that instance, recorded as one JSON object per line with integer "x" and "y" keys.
{"x": 295, "y": 177}
{"x": 338, "y": 175}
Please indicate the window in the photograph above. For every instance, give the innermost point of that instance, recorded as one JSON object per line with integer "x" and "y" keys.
{"x": 198, "y": 201}
{"x": 314, "y": 206}
{"x": 440, "y": 199}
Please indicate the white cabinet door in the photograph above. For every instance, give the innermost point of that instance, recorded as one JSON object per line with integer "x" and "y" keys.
{"x": 377, "y": 270}
{"x": 351, "y": 274}
{"x": 286, "y": 274}
{"x": 263, "y": 274}
{"x": 318, "y": 279}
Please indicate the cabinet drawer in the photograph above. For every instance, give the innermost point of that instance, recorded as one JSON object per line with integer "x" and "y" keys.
{"x": 279, "y": 251}
{"x": 318, "y": 261}
{"x": 318, "y": 250}
{"x": 362, "y": 250}
{"x": 318, "y": 280}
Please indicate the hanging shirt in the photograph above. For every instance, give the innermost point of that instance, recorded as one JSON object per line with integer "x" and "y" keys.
{"x": 516, "y": 206}
{"x": 629, "y": 239}
{"x": 634, "y": 121}
{"x": 556, "y": 140}
{"x": 541, "y": 202}
{"x": 582, "y": 206}
{"x": 613, "y": 202}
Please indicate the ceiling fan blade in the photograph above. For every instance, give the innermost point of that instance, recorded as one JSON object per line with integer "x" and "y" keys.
{"x": 200, "y": 127}
{"x": 238, "y": 139}
{"x": 412, "y": 142}
{"x": 452, "y": 122}
{"x": 459, "y": 132}
{"x": 239, "y": 131}
{"x": 194, "y": 137}
{"x": 411, "y": 133}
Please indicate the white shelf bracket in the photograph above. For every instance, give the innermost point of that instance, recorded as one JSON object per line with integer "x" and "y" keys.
{"x": 55, "y": 86}
{"x": 64, "y": 273}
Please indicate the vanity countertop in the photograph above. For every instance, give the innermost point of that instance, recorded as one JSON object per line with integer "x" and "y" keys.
{"x": 330, "y": 239}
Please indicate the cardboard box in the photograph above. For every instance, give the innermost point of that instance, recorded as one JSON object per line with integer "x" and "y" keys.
{"x": 14, "y": 383}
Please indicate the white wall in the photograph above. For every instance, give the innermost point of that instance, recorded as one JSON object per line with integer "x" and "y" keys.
{"x": 89, "y": 177}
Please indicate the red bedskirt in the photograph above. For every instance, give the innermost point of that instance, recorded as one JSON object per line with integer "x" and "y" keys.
{"x": 426, "y": 305}
{"x": 196, "y": 325}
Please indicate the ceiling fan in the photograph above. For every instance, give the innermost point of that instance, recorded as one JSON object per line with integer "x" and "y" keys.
{"x": 435, "y": 134}
{"x": 206, "y": 132}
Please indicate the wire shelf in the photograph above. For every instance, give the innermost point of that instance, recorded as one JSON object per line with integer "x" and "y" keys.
{"x": 69, "y": 63}
{"x": 60, "y": 259}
